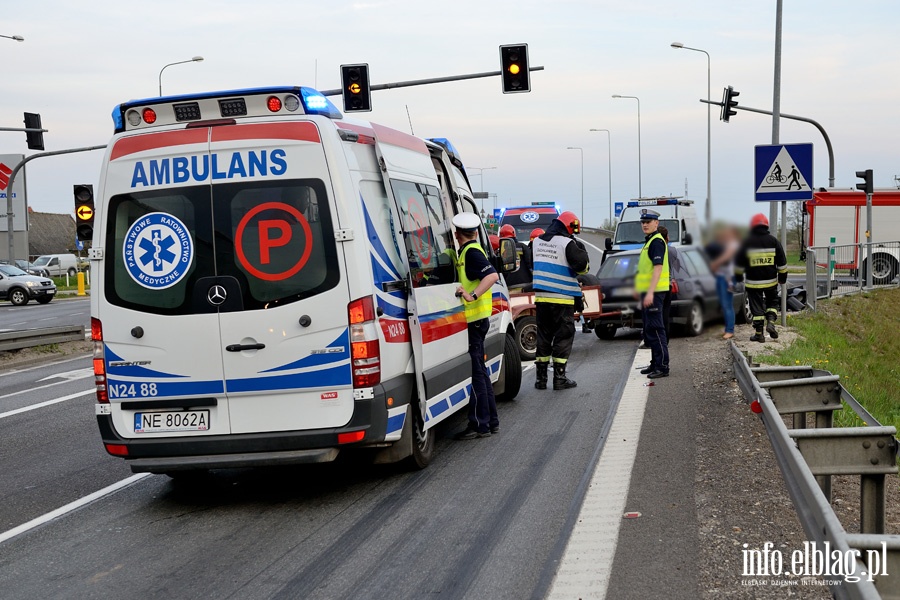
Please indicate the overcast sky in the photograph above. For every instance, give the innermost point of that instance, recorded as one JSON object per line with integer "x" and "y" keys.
{"x": 840, "y": 60}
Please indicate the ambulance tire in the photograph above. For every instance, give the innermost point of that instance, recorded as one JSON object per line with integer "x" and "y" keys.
{"x": 510, "y": 370}
{"x": 422, "y": 441}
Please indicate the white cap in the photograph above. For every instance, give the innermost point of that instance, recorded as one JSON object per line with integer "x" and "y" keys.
{"x": 466, "y": 221}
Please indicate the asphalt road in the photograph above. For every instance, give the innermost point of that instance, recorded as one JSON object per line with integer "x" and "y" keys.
{"x": 483, "y": 521}
{"x": 61, "y": 311}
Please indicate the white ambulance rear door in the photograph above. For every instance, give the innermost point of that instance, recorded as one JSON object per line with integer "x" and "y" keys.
{"x": 285, "y": 344}
{"x": 162, "y": 345}
{"x": 438, "y": 328}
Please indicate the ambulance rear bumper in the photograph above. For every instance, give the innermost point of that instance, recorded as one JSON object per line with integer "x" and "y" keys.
{"x": 162, "y": 455}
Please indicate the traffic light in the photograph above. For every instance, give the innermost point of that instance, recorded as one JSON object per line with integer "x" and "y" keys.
{"x": 355, "y": 88}
{"x": 34, "y": 139}
{"x": 514, "y": 68}
{"x": 729, "y": 103}
{"x": 866, "y": 176}
{"x": 84, "y": 211}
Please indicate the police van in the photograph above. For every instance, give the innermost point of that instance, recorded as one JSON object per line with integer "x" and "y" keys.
{"x": 274, "y": 283}
{"x": 678, "y": 216}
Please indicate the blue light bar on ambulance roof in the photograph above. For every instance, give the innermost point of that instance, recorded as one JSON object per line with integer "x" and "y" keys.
{"x": 449, "y": 147}
{"x": 314, "y": 103}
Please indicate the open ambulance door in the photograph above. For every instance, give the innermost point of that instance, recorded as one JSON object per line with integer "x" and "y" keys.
{"x": 437, "y": 320}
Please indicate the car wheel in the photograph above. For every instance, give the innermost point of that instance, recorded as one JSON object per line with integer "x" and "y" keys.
{"x": 510, "y": 370}
{"x": 694, "y": 325}
{"x": 72, "y": 271}
{"x": 422, "y": 442}
{"x": 526, "y": 336}
{"x": 884, "y": 269}
{"x": 44, "y": 299}
{"x": 605, "y": 331}
{"x": 18, "y": 297}
{"x": 745, "y": 310}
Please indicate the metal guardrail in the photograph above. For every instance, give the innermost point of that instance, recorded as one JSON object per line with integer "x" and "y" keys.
{"x": 837, "y": 270}
{"x": 16, "y": 340}
{"x": 809, "y": 457}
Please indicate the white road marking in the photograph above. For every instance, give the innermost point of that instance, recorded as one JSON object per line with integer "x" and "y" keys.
{"x": 584, "y": 241}
{"x": 8, "y": 535}
{"x": 43, "y": 404}
{"x": 49, "y": 319}
{"x": 44, "y": 365}
{"x": 71, "y": 375}
{"x": 586, "y": 565}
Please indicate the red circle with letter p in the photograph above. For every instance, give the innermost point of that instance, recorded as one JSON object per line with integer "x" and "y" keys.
{"x": 273, "y": 241}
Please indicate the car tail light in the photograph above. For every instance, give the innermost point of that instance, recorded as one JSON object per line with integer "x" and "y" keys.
{"x": 351, "y": 436}
{"x": 117, "y": 449}
{"x": 99, "y": 362}
{"x": 365, "y": 351}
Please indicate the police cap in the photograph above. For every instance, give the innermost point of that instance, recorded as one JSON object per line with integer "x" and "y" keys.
{"x": 466, "y": 222}
{"x": 649, "y": 215}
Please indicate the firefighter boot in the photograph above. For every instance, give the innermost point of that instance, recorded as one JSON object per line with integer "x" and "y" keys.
{"x": 759, "y": 336}
{"x": 541, "y": 370}
{"x": 560, "y": 381}
{"x": 770, "y": 326}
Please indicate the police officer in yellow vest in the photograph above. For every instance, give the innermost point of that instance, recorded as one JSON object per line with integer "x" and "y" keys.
{"x": 476, "y": 276}
{"x": 652, "y": 283}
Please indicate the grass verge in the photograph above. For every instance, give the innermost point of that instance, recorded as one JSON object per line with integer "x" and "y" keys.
{"x": 857, "y": 338}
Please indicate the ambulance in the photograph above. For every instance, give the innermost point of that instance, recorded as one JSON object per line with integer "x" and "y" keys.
{"x": 275, "y": 283}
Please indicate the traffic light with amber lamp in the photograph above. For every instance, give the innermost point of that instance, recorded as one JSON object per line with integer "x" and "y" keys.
{"x": 866, "y": 176}
{"x": 355, "y": 88}
{"x": 729, "y": 103}
{"x": 514, "y": 68}
{"x": 84, "y": 211}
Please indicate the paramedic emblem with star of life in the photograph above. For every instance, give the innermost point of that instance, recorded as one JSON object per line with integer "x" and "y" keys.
{"x": 158, "y": 251}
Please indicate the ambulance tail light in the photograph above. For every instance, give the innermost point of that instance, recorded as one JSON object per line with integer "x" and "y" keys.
{"x": 149, "y": 116}
{"x": 274, "y": 103}
{"x": 365, "y": 351}
{"x": 99, "y": 362}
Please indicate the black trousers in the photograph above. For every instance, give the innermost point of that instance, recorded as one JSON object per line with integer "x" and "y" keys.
{"x": 655, "y": 331}
{"x": 555, "y": 331}
{"x": 482, "y": 404}
{"x": 763, "y": 305}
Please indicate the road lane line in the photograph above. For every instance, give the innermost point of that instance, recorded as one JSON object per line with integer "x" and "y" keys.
{"x": 42, "y": 387}
{"x": 584, "y": 241}
{"x": 47, "y": 403}
{"x": 44, "y": 365}
{"x": 586, "y": 565}
{"x": 110, "y": 489}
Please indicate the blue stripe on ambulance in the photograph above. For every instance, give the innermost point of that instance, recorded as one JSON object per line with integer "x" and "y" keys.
{"x": 130, "y": 370}
{"x": 439, "y": 408}
{"x": 320, "y": 378}
{"x": 391, "y": 310}
{"x": 395, "y": 422}
{"x": 126, "y": 389}
{"x": 391, "y": 271}
{"x": 315, "y": 360}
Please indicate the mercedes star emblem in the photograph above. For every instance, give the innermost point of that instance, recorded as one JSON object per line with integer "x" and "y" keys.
{"x": 216, "y": 295}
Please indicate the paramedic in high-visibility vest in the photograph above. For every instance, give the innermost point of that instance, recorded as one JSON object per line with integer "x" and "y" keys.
{"x": 761, "y": 263}
{"x": 652, "y": 283}
{"x": 476, "y": 276}
{"x": 558, "y": 259}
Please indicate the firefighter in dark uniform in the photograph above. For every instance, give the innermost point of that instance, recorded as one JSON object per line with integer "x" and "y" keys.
{"x": 652, "y": 283}
{"x": 476, "y": 276}
{"x": 762, "y": 265}
{"x": 558, "y": 259}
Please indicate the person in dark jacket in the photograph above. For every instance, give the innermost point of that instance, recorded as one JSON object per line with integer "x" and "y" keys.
{"x": 558, "y": 259}
{"x": 762, "y": 265}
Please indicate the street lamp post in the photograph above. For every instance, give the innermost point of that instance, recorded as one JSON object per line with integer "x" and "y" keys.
{"x": 581, "y": 216}
{"x": 609, "y": 168}
{"x": 708, "y": 130}
{"x": 17, "y": 38}
{"x": 640, "y": 192}
{"x": 180, "y": 62}
{"x": 481, "y": 171}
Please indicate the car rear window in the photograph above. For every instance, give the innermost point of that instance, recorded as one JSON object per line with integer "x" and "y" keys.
{"x": 275, "y": 238}
{"x": 619, "y": 266}
{"x": 533, "y": 220}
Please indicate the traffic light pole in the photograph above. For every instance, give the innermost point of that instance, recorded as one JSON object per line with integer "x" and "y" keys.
{"x": 12, "y": 179}
{"x": 415, "y": 82}
{"x": 794, "y": 118}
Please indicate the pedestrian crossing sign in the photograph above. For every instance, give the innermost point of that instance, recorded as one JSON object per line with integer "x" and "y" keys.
{"x": 783, "y": 172}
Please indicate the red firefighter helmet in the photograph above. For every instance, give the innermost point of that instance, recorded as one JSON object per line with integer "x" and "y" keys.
{"x": 570, "y": 220}
{"x": 495, "y": 242}
{"x": 759, "y": 219}
{"x": 508, "y": 231}
{"x": 537, "y": 231}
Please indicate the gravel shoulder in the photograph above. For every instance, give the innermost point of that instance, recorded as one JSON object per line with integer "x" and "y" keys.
{"x": 740, "y": 493}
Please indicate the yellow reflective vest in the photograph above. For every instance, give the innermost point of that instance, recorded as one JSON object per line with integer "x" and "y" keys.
{"x": 481, "y": 307}
{"x": 645, "y": 268}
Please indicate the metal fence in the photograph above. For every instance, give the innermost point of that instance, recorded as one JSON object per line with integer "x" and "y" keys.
{"x": 836, "y": 270}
